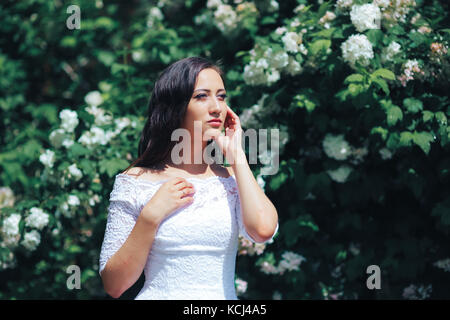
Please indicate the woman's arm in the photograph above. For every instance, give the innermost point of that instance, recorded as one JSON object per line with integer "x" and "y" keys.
{"x": 259, "y": 215}
{"x": 124, "y": 268}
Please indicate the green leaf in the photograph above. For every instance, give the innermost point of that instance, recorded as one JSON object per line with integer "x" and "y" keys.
{"x": 427, "y": 115}
{"x": 441, "y": 118}
{"x": 423, "y": 140}
{"x": 413, "y": 105}
{"x": 394, "y": 114}
{"x": 356, "y": 77}
{"x": 319, "y": 45}
{"x": 375, "y": 36}
{"x": 380, "y": 130}
{"x": 393, "y": 140}
{"x": 406, "y": 138}
{"x": 384, "y": 73}
{"x": 382, "y": 84}
{"x": 112, "y": 166}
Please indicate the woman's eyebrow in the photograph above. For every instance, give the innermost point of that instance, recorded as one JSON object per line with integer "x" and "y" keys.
{"x": 208, "y": 90}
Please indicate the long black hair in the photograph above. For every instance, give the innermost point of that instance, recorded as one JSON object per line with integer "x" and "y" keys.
{"x": 167, "y": 107}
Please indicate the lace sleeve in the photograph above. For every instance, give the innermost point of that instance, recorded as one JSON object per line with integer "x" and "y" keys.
{"x": 122, "y": 216}
{"x": 241, "y": 225}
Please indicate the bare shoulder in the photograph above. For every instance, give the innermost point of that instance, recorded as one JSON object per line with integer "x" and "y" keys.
{"x": 142, "y": 173}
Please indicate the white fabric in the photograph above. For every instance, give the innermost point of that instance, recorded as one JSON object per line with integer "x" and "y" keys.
{"x": 193, "y": 254}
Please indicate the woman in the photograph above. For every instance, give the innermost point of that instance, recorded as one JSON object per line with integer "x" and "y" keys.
{"x": 179, "y": 222}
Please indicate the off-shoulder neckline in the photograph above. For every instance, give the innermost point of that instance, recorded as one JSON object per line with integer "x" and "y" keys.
{"x": 164, "y": 180}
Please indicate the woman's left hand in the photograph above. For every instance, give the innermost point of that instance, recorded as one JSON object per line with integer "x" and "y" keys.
{"x": 231, "y": 143}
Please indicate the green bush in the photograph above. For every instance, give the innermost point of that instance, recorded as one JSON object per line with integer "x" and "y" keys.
{"x": 358, "y": 92}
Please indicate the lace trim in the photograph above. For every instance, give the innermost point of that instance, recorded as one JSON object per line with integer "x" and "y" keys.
{"x": 201, "y": 180}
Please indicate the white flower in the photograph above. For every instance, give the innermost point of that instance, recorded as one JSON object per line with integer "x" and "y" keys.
{"x": 344, "y": 4}
{"x": 225, "y": 18}
{"x": 154, "y": 15}
{"x": 291, "y": 41}
{"x": 6, "y": 197}
{"x": 67, "y": 142}
{"x": 336, "y": 147}
{"x": 100, "y": 117}
{"x": 366, "y": 16}
{"x": 73, "y": 200}
{"x": 241, "y": 286}
{"x": 385, "y": 153}
{"x": 37, "y": 219}
{"x": 280, "y": 30}
{"x": 93, "y": 98}
{"x": 268, "y": 268}
{"x": 10, "y": 226}
{"x": 276, "y": 295}
{"x": 254, "y": 74}
{"x": 47, "y": 158}
{"x": 290, "y": 261}
{"x": 293, "y": 68}
{"x": 247, "y": 117}
{"x": 277, "y": 60}
{"x": 75, "y": 172}
{"x": 340, "y": 174}
{"x": 93, "y": 200}
{"x": 382, "y": 3}
{"x": 212, "y": 4}
{"x": 121, "y": 123}
{"x": 31, "y": 240}
{"x": 57, "y": 137}
{"x": 273, "y": 76}
{"x": 96, "y": 136}
{"x": 357, "y": 48}
{"x": 69, "y": 120}
{"x": 443, "y": 264}
{"x": 391, "y": 51}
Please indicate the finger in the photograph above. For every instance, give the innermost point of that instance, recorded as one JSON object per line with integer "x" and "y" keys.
{"x": 185, "y": 192}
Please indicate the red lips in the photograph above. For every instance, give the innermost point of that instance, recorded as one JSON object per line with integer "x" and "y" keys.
{"x": 215, "y": 121}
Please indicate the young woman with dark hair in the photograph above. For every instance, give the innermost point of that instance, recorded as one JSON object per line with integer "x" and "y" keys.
{"x": 179, "y": 221}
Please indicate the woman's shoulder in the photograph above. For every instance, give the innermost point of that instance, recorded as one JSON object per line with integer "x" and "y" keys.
{"x": 145, "y": 174}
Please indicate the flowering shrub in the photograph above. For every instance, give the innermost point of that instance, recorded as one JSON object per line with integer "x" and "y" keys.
{"x": 358, "y": 90}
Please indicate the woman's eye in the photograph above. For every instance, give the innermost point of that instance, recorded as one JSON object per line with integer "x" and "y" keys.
{"x": 204, "y": 95}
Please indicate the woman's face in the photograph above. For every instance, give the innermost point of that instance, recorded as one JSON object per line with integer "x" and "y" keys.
{"x": 207, "y": 103}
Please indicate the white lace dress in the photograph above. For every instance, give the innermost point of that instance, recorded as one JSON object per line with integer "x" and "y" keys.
{"x": 193, "y": 254}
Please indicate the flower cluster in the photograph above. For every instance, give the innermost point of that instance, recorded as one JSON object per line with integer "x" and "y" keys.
{"x": 443, "y": 264}
{"x": 36, "y": 220}
{"x": 357, "y": 48}
{"x": 411, "y": 70}
{"x": 241, "y": 286}
{"x": 413, "y": 292}
{"x": 336, "y": 147}
{"x": 365, "y": 17}
{"x": 246, "y": 247}
{"x": 226, "y": 18}
{"x": 290, "y": 261}
{"x": 390, "y": 51}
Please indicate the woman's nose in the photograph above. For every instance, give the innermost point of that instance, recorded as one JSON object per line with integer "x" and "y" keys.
{"x": 215, "y": 106}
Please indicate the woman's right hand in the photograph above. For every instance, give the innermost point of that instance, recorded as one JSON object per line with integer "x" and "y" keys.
{"x": 172, "y": 195}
